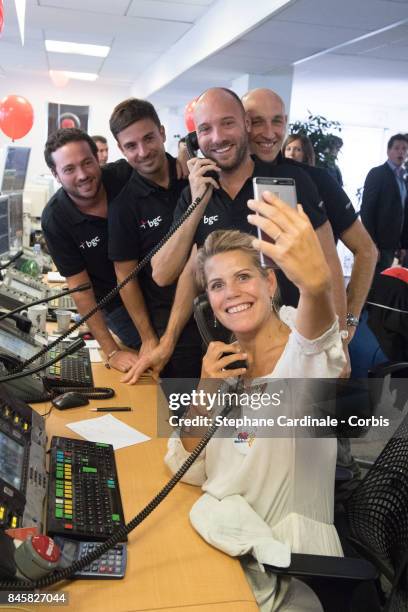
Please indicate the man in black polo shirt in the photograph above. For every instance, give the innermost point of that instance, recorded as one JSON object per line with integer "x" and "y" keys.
{"x": 138, "y": 219}
{"x": 266, "y": 111}
{"x": 222, "y": 130}
{"x": 75, "y": 227}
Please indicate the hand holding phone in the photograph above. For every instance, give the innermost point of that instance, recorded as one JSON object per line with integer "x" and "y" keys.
{"x": 193, "y": 151}
{"x": 283, "y": 188}
{"x": 294, "y": 247}
{"x": 223, "y": 361}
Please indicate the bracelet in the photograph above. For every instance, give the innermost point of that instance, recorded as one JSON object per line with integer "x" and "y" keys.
{"x": 109, "y": 357}
{"x": 344, "y": 334}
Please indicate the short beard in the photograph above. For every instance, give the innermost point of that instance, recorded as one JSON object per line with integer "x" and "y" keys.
{"x": 241, "y": 152}
{"x": 77, "y": 196}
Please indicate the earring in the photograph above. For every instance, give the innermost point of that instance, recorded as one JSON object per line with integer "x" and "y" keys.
{"x": 274, "y": 306}
{"x": 215, "y": 322}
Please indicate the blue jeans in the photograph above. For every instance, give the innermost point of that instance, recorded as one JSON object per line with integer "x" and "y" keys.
{"x": 122, "y": 325}
{"x": 185, "y": 361}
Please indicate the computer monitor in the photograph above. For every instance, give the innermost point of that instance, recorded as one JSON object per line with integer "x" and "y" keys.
{"x": 4, "y": 225}
{"x": 16, "y": 220}
{"x": 35, "y": 198}
{"x": 37, "y": 192}
{"x": 13, "y": 168}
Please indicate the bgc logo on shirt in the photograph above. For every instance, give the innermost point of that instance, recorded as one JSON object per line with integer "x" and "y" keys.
{"x": 210, "y": 220}
{"x": 151, "y": 222}
{"x": 93, "y": 242}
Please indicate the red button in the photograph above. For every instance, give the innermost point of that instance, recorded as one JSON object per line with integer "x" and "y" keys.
{"x": 46, "y": 548}
{"x": 67, "y": 526}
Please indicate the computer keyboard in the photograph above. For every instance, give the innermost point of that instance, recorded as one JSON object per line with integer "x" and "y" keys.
{"x": 64, "y": 302}
{"x": 72, "y": 371}
{"x": 84, "y": 499}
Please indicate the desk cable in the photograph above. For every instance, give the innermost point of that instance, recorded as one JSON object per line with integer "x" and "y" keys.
{"x": 109, "y": 296}
{"x": 121, "y": 533}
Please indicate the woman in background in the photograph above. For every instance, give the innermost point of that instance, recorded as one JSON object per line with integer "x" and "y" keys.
{"x": 299, "y": 147}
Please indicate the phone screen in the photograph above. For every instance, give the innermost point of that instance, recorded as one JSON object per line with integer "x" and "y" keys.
{"x": 285, "y": 189}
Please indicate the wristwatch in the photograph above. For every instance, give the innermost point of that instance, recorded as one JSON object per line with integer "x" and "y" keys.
{"x": 351, "y": 320}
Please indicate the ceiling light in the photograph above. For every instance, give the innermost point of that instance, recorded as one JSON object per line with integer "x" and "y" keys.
{"x": 59, "y": 46}
{"x": 82, "y": 76}
{"x": 20, "y": 10}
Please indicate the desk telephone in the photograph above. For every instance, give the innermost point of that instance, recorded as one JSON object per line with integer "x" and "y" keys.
{"x": 18, "y": 287}
{"x": 72, "y": 371}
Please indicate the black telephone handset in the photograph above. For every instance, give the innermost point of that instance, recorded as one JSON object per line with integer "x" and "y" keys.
{"x": 192, "y": 148}
{"x": 209, "y": 332}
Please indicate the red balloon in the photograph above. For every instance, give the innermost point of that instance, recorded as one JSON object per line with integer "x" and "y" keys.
{"x": 16, "y": 116}
{"x": 1, "y": 16}
{"x": 189, "y": 115}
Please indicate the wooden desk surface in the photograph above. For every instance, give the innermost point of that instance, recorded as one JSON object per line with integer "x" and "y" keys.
{"x": 169, "y": 565}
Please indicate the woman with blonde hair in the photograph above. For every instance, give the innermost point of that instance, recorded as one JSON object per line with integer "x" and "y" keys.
{"x": 282, "y": 486}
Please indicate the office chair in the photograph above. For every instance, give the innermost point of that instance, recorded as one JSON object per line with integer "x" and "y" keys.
{"x": 377, "y": 522}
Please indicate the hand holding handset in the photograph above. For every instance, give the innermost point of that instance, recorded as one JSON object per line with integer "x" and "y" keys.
{"x": 209, "y": 332}
{"x": 193, "y": 150}
{"x": 285, "y": 189}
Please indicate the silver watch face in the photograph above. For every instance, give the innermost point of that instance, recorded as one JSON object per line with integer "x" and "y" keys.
{"x": 352, "y": 320}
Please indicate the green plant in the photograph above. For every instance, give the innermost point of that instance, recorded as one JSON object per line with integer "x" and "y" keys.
{"x": 325, "y": 144}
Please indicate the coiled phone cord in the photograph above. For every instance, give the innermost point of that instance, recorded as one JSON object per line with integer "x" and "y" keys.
{"x": 108, "y": 297}
{"x": 122, "y": 532}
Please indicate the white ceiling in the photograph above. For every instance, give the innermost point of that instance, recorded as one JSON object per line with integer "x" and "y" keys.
{"x": 142, "y": 32}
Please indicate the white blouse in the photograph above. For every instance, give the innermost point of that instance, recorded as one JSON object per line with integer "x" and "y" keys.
{"x": 289, "y": 482}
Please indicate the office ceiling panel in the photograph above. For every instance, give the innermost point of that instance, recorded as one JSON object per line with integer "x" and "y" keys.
{"x": 361, "y": 14}
{"x": 293, "y": 33}
{"x": 397, "y": 38}
{"x": 75, "y": 63}
{"x": 130, "y": 65}
{"x": 174, "y": 11}
{"x": 390, "y": 52}
{"x": 16, "y": 59}
{"x": 107, "y": 7}
{"x": 141, "y": 32}
{"x": 91, "y": 38}
{"x": 242, "y": 63}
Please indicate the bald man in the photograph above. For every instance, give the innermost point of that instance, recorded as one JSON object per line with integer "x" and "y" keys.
{"x": 267, "y": 114}
{"x": 222, "y": 131}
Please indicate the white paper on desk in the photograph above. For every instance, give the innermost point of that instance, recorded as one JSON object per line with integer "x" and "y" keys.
{"x": 110, "y": 430}
{"x": 95, "y": 356}
{"x": 55, "y": 277}
{"x": 72, "y": 336}
{"x": 92, "y": 344}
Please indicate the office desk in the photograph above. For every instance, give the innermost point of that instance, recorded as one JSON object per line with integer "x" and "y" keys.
{"x": 169, "y": 566}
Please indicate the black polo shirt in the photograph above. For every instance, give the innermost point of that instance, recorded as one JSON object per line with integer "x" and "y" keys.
{"x": 223, "y": 212}
{"x": 339, "y": 210}
{"x": 139, "y": 217}
{"x": 77, "y": 241}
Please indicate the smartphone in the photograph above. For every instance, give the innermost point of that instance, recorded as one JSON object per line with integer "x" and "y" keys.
{"x": 285, "y": 189}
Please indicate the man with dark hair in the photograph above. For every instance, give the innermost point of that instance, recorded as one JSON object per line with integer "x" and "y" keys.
{"x": 103, "y": 150}
{"x": 129, "y": 111}
{"x": 384, "y": 206}
{"x": 268, "y": 117}
{"x": 75, "y": 227}
{"x": 138, "y": 219}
